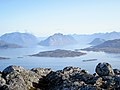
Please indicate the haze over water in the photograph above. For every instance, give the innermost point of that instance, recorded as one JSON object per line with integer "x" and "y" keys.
{"x": 55, "y": 63}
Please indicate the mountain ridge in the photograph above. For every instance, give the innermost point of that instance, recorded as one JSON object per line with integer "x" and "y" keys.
{"x": 58, "y": 39}
{"x": 23, "y": 39}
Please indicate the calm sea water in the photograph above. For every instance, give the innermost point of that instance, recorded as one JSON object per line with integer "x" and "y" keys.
{"x": 56, "y": 63}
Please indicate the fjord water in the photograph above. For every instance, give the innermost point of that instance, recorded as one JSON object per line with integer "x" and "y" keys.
{"x": 20, "y": 57}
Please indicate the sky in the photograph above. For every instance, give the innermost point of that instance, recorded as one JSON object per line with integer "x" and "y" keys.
{"x": 46, "y": 17}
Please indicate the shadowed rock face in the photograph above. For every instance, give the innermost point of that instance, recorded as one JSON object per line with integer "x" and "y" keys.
{"x": 58, "y": 39}
{"x": 70, "y": 78}
{"x": 19, "y": 78}
{"x": 59, "y": 53}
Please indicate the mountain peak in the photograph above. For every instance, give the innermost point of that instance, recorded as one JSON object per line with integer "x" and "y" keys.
{"x": 58, "y": 34}
{"x": 24, "y": 39}
{"x": 58, "y": 39}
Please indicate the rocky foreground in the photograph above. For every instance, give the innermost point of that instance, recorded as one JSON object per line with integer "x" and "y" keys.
{"x": 70, "y": 78}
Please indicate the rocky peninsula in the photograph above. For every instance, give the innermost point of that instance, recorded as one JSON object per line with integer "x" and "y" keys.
{"x": 70, "y": 78}
{"x": 59, "y": 53}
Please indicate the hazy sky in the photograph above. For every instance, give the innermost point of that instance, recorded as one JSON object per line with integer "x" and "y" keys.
{"x": 45, "y": 17}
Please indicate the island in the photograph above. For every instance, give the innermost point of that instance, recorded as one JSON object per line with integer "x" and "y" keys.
{"x": 59, "y": 53}
{"x": 1, "y": 58}
{"x": 89, "y": 60}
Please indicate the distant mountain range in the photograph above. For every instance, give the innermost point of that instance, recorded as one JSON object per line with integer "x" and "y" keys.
{"x": 58, "y": 39}
{"x": 22, "y": 39}
{"x": 110, "y": 46}
{"x": 90, "y": 37}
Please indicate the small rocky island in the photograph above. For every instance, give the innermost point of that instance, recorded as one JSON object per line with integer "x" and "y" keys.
{"x": 70, "y": 78}
{"x": 59, "y": 53}
{"x": 1, "y": 58}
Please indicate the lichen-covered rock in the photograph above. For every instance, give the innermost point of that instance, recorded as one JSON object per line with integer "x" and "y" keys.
{"x": 117, "y": 82}
{"x": 70, "y": 78}
{"x": 2, "y": 81}
{"x": 41, "y": 71}
{"x": 104, "y": 69}
{"x": 88, "y": 87}
{"x": 108, "y": 82}
{"x": 13, "y": 68}
{"x": 19, "y": 78}
{"x": 116, "y": 71}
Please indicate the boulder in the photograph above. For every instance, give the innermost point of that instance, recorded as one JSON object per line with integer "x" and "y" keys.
{"x": 19, "y": 78}
{"x": 104, "y": 69}
{"x": 13, "y": 68}
{"x": 116, "y": 71}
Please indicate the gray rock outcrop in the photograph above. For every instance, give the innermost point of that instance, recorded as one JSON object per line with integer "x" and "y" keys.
{"x": 19, "y": 78}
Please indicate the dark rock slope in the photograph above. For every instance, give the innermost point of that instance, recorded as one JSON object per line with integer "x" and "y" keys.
{"x": 70, "y": 78}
